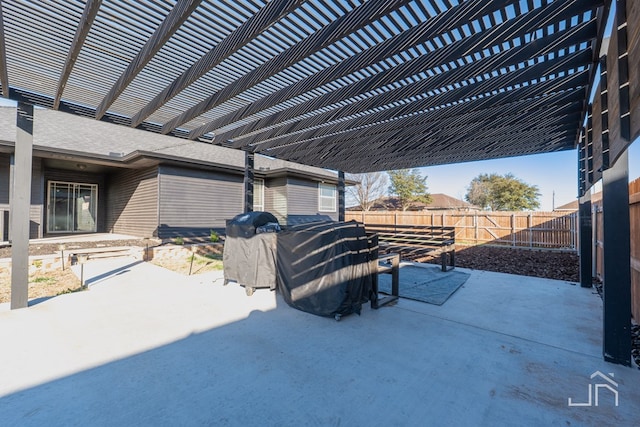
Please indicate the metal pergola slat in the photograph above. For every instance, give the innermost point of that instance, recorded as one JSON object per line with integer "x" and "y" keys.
{"x": 286, "y": 77}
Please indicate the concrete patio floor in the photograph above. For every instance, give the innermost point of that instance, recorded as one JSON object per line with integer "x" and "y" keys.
{"x": 145, "y": 346}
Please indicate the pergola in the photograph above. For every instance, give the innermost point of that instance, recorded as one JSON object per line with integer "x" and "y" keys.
{"x": 352, "y": 85}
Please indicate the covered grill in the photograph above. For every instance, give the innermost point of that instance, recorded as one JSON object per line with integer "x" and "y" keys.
{"x": 323, "y": 268}
{"x": 249, "y": 250}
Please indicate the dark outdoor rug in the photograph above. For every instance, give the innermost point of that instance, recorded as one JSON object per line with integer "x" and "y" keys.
{"x": 426, "y": 284}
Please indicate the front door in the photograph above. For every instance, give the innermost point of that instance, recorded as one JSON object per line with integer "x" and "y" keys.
{"x": 71, "y": 207}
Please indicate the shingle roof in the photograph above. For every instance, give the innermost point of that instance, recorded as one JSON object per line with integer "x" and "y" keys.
{"x": 348, "y": 85}
{"x": 55, "y": 130}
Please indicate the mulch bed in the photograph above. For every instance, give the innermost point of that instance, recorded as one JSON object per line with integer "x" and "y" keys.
{"x": 525, "y": 262}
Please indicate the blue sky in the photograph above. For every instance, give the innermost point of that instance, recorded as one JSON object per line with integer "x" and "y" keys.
{"x": 552, "y": 172}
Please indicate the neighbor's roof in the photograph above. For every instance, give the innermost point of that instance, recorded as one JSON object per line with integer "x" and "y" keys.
{"x": 438, "y": 201}
{"x": 350, "y": 85}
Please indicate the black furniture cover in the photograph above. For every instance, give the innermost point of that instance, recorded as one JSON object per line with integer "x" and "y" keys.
{"x": 323, "y": 268}
{"x": 249, "y": 258}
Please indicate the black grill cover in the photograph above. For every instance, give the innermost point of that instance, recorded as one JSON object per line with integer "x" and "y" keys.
{"x": 249, "y": 258}
{"x": 251, "y": 262}
{"x": 323, "y": 268}
{"x": 244, "y": 225}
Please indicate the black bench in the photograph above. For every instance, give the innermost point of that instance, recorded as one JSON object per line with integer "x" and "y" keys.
{"x": 382, "y": 264}
{"x": 417, "y": 242}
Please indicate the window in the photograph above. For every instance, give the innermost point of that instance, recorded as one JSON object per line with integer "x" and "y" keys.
{"x": 72, "y": 207}
{"x": 258, "y": 194}
{"x": 327, "y": 197}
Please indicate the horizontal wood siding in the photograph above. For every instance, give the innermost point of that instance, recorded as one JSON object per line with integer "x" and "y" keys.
{"x": 37, "y": 198}
{"x": 5, "y": 173}
{"x": 132, "y": 202}
{"x": 80, "y": 178}
{"x": 194, "y": 201}
{"x": 303, "y": 198}
{"x": 275, "y": 198}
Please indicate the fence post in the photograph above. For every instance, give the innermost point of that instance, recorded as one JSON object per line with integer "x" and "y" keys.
{"x": 513, "y": 230}
{"x": 476, "y": 223}
{"x": 530, "y": 228}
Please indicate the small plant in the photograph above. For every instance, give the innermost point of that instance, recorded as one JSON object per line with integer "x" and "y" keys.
{"x": 178, "y": 240}
{"x": 43, "y": 279}
{"x": 37, "y": 263}
{"x": 213, "y": 236}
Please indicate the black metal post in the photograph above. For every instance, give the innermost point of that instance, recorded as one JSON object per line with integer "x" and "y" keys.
{"x": 586, "y": 240}
{"x": 248, "y": 181}
{"x": 617, "y": 265}
{"x": 341, "y": 201}
{"x": 20, "y": 204}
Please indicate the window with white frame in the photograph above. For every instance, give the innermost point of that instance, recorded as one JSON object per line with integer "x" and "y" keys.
{"x": 327, "y": 197}
{"x": 258, "y": 194}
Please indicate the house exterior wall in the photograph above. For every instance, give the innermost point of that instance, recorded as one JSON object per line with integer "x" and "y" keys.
{"x": 192, "y": 202}
{"x": 302, "y": 196}
{"x": 275, "y": 198}
{"x": 132, "y": 202}
{"x": 36, "y": 228}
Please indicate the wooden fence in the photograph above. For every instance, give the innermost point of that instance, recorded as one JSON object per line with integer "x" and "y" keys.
{"x": 634, "y": 213}
{"x": 551, "y": 230}
{"x": 634, "y": 235}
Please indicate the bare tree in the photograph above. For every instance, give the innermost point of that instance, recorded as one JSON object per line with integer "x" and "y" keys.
{"x": 370, "y": 187}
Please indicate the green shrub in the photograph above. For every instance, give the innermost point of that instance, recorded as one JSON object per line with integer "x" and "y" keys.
{"x": 213, "y": 236}
{"x": 178, "y": 240}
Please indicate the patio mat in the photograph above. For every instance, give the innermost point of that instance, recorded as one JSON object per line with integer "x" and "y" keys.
{"x": 426, "y": 284}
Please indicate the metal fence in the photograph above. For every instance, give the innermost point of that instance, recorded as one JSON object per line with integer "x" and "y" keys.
{"x": 546, "y": 230}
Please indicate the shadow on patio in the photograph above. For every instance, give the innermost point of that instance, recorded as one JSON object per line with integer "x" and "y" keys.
{"x": 151, "y": 347}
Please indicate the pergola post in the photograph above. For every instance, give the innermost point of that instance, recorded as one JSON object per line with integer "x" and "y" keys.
{"x": 617, "y": 265}
{"x": 341, "y": 200}
{"x": 20, "y": 203}
{"x": 248, "y": 181}
{"x": 586, "y": 240}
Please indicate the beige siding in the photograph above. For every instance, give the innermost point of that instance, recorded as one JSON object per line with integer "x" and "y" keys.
{"x": 132, "y": 202}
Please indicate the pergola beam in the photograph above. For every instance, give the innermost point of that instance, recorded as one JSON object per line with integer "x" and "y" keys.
{"x": 255, "y": 25}
{"x": 336, "y": 30}
{"x": 171, "y": 24}
{"x": 91, "y": 9}
{"x": 4, "y": 74}
{"x": 504, "y": 32}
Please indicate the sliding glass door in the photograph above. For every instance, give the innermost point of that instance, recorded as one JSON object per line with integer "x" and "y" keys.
{"x": 71, "y": 207}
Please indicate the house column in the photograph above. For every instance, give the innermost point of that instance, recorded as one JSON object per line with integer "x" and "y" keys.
{"x": 341, "y": 202}
{"x": 20, "y": 203}
{"x": 617, "y": 264}
{"x": 248, "y": 181}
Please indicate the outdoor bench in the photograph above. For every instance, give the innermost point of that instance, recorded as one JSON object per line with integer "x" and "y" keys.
{"x": 388, "y": 263}
{"x": 417, "y": 242}
{"x": 95, "y": 253}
